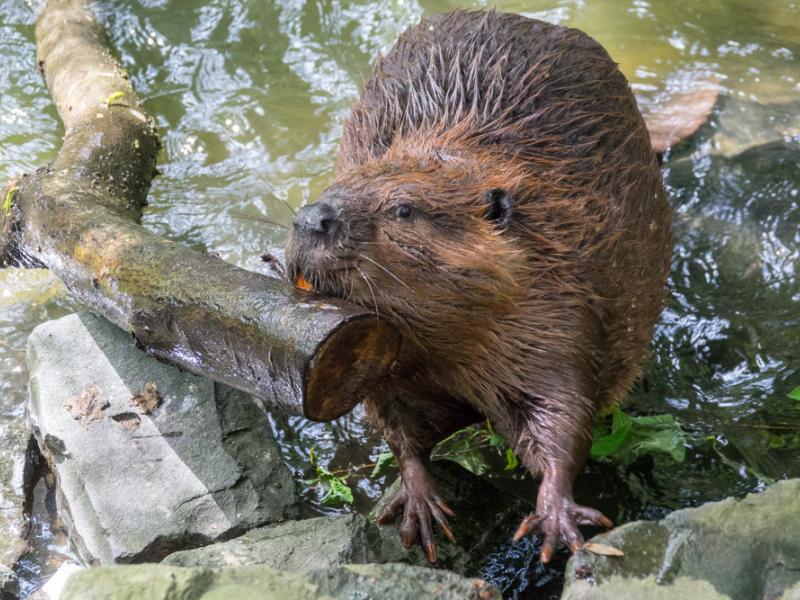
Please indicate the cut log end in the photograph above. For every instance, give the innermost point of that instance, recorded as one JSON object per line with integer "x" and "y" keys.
{"x": 349, "y": 363}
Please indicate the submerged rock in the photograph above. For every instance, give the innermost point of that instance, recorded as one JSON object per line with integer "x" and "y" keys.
{"x": 135, "y": 485}
{"x": 384, "y": 582}
{"x": 740, "y": 125}
{"x": 743, "y": 549}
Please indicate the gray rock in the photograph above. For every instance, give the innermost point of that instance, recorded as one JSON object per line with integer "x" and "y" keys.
{"x": 54, "y": 586}
{"x": 620, "y": 588}
{"x": 332, "y": 541}
{"x": 793, "y": 593}
{"x": 295, "y": 546}
{"x": 14, "y": 437}
{"x": 384, "y": 582}
{"x": 8, "y": 583}
{"x": 747, "y": 548}
{"x": 134, "y": 486}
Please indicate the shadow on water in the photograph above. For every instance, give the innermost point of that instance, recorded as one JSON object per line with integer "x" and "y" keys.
{"x": 249, "y": 97}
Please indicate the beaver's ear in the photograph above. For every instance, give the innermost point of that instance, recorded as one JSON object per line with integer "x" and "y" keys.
{"x": 499, "y": 207}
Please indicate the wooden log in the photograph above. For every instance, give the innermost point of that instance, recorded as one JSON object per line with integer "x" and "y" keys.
{"x": 79, "y": 217}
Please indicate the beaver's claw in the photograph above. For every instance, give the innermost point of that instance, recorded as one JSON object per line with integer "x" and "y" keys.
{"x": 418, "y": 501}
{"x": 558, "y": 522}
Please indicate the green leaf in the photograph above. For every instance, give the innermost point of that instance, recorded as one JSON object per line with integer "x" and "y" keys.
{"x": 608, "y": 444}
{"x": 776, "y": 441}
{"x": 795, "y": 393}
{"x": 384, "y": 461}
{"x": 337, "y": 492}
{"x": 631, "y": 437}
{"x": 497, "y": 441}
{"x": 9, "y": 202}
{"x": 114, "y": 98}
{"x": 511, "y": 460}
{"x": 659, "y": 433}
{"x": 471, "y": 459}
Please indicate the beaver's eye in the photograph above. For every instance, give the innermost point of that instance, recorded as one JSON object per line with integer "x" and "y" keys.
{"x": 499, "y": 207}
{"x": 403, "y": 211}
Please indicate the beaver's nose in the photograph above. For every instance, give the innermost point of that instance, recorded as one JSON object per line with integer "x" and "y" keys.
{"x": 318, "y": 218}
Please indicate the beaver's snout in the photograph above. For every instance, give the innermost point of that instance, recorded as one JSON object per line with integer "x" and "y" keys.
{"x": 319, "y": 221}
{"x": 319, "y": 247}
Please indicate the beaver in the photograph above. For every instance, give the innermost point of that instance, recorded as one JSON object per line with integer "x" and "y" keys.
{"x": 499, "y": 201}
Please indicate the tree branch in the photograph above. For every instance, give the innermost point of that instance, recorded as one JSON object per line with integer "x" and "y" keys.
{"x": 79, "y": 217}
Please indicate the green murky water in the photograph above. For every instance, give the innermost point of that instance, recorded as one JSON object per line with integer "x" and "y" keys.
{"x": 250, "y": 96}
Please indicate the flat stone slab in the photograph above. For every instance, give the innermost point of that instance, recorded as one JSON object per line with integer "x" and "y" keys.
{"x": 315, "y": 543}
{"x": 349, "y": 582}
{"x": 148, "y": 459}
{"x": 742, "y": 549}
{"x": 324, "y": 542}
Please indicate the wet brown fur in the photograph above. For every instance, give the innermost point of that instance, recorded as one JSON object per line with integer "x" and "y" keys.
{"x": 536, "y": 325}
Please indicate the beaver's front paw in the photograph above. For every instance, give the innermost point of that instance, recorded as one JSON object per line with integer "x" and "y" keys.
{"x": 418, "y": 501}
{"x": 557, "y": 518}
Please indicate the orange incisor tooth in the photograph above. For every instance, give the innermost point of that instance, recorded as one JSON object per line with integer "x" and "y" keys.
{"x": 303, "y": 283}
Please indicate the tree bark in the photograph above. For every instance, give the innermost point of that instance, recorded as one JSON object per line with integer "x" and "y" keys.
{"x": 79, "y": 217}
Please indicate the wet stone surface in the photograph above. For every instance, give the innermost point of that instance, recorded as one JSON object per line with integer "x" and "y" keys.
{"x": 8, "y": 583}
{"x": 13, "y": 444}
{"x": 387, "y": 582}
{"x": 743, "y": 549}
{"x": 314, "y": 543}
{"x": 486, "y": 517}
{"x": 622, "y": 588}
{"x": 132, "y": 486}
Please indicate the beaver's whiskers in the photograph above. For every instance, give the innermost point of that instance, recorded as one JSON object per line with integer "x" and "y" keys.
{"x": 371, "y": 291}
{"x": 377, "y": 264}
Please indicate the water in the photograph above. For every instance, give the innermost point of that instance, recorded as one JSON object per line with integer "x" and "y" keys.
{"x": 250, "y": 96}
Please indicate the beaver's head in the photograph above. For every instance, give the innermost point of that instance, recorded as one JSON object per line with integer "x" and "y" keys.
{"x": 431, "y": 243}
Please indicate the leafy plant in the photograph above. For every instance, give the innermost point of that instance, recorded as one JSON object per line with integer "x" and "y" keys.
{"x": 383, "y": 462}
{"x": 627, "y": 437}
{"x": 470, "y": 447}
{"x": 479, "y": 449}
{"x": 795, "y": 393}
{"x": 336, "y": 492}
{"x": 467, "y": 447}
{"x": 617, "y": 436}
